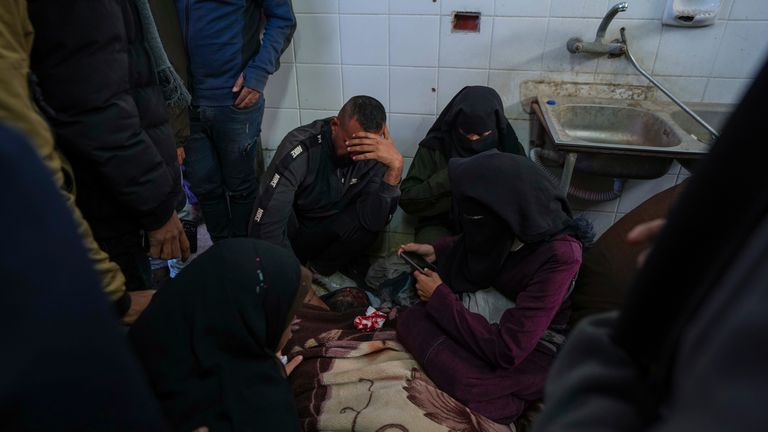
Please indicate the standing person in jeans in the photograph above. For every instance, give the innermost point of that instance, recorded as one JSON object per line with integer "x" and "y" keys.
{"x": 229, "y": 65}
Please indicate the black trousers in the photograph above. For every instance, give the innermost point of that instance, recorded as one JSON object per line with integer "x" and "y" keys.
{"x": 328, "y": 244}
{"x": 128, "y": 253}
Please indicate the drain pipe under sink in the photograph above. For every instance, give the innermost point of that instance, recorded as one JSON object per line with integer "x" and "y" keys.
{"x": 587, "y": 195}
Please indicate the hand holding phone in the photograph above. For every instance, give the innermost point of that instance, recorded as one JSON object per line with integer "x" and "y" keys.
{"x": 417, "y": 262}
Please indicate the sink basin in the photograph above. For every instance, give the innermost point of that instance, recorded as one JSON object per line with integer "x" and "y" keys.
{"x": 624, "y": 138}
{"x": 714, "y": 114}
{"x": 609, "y": 125}
{"x": 615, "y": 126}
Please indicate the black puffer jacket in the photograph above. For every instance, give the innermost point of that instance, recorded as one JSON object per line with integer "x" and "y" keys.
{"x": 107, "y": 112}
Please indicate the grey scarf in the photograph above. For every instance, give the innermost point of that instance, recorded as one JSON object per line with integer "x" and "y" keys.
{"x": 175, "y": 92}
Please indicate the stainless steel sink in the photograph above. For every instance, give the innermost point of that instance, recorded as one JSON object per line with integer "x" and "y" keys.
{"x": 614, "y": 126}
{"x": 621, "y": 138}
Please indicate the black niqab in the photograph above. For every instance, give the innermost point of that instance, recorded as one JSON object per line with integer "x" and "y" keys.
{"x": 474, "y": 110}
{"x": 208, "y": 340}
{"x": 499, "y": 197}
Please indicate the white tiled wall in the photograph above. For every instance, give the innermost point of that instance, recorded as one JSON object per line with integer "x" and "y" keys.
{"x": 403, "y": 53}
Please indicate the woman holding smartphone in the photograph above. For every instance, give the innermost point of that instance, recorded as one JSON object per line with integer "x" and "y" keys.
{"x": 519, "y": 238}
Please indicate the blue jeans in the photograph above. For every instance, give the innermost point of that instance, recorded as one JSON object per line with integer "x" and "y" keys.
{"x": 222, "y": 153}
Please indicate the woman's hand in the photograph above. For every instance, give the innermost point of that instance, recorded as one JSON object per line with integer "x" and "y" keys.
{"x": 426, "y": 284}
{"x": 425, "y": 250}
{"x": 645, "y": 234}
{"x": 291, "y": 365}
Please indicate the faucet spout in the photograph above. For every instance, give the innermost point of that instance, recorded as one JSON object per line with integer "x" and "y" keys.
{"x": 578, "y": 45}
{"x": 609, "y": 16}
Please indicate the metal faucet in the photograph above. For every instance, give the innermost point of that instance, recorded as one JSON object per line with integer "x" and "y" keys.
{"x": 577, "y": 45}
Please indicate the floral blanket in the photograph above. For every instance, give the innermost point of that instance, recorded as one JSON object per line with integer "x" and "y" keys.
{"x": 355, "y": 381}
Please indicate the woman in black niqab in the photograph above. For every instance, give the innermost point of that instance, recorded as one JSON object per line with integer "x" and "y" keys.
{"x": 473, "y": 122}
{"x": 498, "y": 198}
{"x": 208, "y": 340}
{"x": 474, "y": 111}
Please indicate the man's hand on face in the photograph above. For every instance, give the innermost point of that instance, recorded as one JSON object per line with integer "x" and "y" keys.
{"x": 369, "y": 146}
{"x": 247, "y": 97}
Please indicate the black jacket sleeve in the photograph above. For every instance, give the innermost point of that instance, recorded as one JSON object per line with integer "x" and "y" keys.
{"x": 379, "y": 201}
{"x": 90, "y": 61}
{"x": 274, "y": 206}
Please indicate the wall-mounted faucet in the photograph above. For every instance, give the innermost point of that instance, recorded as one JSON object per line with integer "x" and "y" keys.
{"x": 620, "y": 47}
{"x": 616, "y": 48}
{"x": 663, "y": 89}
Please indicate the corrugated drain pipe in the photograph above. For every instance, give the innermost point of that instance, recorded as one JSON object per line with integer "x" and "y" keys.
{"x": 587, "y": 195}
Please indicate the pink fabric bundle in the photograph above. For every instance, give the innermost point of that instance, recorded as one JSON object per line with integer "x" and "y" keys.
{"x": 371, "y": 321}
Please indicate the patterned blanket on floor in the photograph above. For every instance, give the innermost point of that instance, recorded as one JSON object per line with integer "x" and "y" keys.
{"x": 355, "y": 381}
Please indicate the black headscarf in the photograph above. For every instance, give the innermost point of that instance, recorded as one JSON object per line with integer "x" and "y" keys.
{"x": 499, "y": 197}
{"x": 710, "y": 223}
{"x": 65, "y": 364}
{"x": 208, "y": 340}
{"x": 475, "y": 109}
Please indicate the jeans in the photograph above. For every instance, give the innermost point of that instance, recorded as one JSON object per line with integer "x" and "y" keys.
{"x": 222, "y": 153}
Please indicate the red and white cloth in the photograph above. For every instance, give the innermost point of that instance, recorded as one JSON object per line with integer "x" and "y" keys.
{"x": 371, "y": 321}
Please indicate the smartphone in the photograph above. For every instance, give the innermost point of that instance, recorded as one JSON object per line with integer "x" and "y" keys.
{"x": 417, "y": 263}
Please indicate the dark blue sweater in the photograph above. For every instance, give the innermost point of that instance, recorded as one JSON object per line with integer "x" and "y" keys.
{"x": 222, "y": 40}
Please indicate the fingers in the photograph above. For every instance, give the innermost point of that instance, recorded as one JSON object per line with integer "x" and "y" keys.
{"x": 291, "y": 365}
{"x": 364, "y": 134}
{"x": 645, "y": 231}
{"x": 365, "y": 156}
{"x": 642, "y": 257}
{"x": 362, "y": 148}
{"x": 253, "y": 97}
{"x": 362, "y": 141}
{"x": 184, "y": 243}
{"x": 247, "y": 98}
{"x": 241, "y": 98}
{"x": 171, "y": 249}
{"x": 155, "y": 247}
{"x": 238, "y": 84}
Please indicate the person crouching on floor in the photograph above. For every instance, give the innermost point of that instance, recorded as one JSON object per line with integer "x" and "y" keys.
{"x": 491, "y": 348}
{"x": 211, "y": 339}
{"x": 331, "y": 188}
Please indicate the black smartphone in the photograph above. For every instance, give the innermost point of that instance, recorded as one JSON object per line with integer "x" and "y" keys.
{"x": 190, "y": 229}
{"x": 417, "y": 263}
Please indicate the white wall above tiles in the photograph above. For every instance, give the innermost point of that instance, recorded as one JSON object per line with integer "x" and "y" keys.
{"x": 398, "y": 51}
